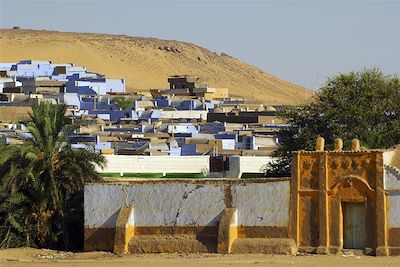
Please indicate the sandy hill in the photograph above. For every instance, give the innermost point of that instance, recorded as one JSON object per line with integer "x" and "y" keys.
{"x": 146, "y": 63}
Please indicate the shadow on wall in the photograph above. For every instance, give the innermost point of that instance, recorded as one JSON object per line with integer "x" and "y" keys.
{"x": 101, "y": 238}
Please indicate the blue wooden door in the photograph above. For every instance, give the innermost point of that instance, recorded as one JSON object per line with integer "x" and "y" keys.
{"x": 354, "y": 225}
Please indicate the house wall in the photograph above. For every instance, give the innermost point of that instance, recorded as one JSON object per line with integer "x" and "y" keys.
{"x": 34, "y": 69}
{"x": 14, "y": 113}
{"x": 221, "y": 93}
{"x": 156, "y": 164}
{"x": 391, "y": 178}
{"x": 270, "y": 120}
{"x": 115, "y": 85}
{"x": 228, "y": 144}
{"x": 241, "y": 164}
{"x": 391, "y": 157}
{"x": 182, "y": 164}
{"x": 192, "y": 207}
{"x": 6, "y": 66}
{"x": 183, "y": 114}
{"x": 265, "y": 142}
{"x": 392, "y": 188}
{"x": 212, "y": 93}
{"x": 182, "y": 128}
{"x": 231, "y": 118}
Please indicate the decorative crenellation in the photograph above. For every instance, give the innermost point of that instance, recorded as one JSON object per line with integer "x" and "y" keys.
{"x": 320, "y": 144}
{"x": 338, "y": 147}
{"x": 355, "y": 144}
{"x": 338, "y": 144}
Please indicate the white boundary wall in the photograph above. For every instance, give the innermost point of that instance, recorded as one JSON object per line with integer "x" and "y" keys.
{"x": 188, "y": 203}
{"x": 181, "y": 164}
{"x": 393, "y": 204}
{"x": 156, "y": 164}
{"x": 392, "y": 185}
{"x": 240, "y": 164}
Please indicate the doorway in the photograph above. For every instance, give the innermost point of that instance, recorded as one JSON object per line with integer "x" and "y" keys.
{"x": 354, "y": 225}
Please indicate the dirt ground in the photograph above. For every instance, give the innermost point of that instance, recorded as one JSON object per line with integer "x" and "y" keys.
{"x": 39, "y": 257}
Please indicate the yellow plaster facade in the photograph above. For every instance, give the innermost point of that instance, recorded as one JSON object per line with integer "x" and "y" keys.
{"x": 323, "y": 185}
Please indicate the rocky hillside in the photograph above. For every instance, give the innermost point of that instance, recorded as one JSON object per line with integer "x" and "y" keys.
{"x": 146, "y": 63}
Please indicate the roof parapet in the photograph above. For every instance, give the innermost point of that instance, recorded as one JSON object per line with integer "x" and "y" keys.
{"x": 320, "y": 144}
{"x": 338, "y": 144}
{"x": 355, "y": 144}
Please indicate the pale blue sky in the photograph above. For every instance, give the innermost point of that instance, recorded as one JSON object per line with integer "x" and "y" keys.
{"x": 298, "y": 41}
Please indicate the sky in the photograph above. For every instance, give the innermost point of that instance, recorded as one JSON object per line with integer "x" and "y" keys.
{"x": 303, "y": 42}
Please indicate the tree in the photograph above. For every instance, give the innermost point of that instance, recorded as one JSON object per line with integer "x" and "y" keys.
{"x": 41, "y": 192}
{"x": 363, "y": 105}
{"x": 123, "y": 103}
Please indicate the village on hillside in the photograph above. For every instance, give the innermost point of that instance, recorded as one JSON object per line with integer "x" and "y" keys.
{"x": 188, "y": 119}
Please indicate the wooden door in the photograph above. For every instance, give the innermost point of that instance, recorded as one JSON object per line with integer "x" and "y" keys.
{"x": 354, "y": 225}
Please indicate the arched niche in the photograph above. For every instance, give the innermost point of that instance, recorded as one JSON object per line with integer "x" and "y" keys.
{"x": 351, "y": 189}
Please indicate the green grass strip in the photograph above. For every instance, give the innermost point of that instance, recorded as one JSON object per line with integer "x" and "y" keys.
{"x": 184, "y": 175}
{"x": 142, "y": 175}
{"x": 110, "y": 174}
{"x": 252, "y": 175}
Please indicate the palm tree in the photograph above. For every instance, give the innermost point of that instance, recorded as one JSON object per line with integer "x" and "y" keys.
{"x": 41, "y": 184}
{"x": 123, "y": 103}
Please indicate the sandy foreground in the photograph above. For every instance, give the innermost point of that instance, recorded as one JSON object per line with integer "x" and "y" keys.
{"x": 40, "y": 257}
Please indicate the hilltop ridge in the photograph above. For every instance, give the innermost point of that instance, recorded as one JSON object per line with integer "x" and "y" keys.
{"x": 146, "y": 63}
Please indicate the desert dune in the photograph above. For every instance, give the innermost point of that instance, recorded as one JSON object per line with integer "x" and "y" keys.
{"x": 145, "y": 63}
